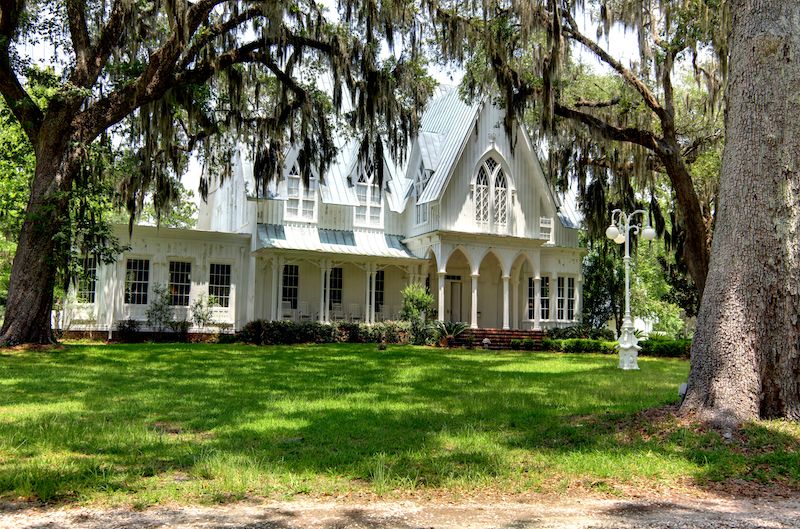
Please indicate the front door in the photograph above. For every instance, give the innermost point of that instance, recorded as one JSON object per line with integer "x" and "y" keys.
{"x": 455, "y": 301}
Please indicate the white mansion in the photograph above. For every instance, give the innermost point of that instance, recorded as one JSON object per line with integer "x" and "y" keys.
{"x": 466, "y": 215}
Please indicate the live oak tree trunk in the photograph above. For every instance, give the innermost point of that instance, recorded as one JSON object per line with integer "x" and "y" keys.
{"x": 746, "y": 351}
{"x": 33, "y": 273}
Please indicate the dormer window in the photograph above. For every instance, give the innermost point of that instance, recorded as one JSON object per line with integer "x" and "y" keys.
{"x": 420, "y": 183}
{"x": 369, "y": 211}
{"x": 301, "y": 199}
{"x": 491, "y": 196}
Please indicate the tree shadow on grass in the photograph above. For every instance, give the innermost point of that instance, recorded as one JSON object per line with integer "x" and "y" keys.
{"x": 115, "y": 416}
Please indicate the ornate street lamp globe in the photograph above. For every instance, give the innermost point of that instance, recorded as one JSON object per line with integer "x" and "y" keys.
{"x": 612, "y": 232}
{"x": 619, "y": 239}
{"x": 649, "y": 233}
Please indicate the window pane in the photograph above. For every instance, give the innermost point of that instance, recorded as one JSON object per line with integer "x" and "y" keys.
{"x": 336, "y": 286}
{"x": 87, "y": 282}
{"x": 219, "y": 284}
{"x": 137, "y": 275}
{"x": 290, "y": 284}
{"x": 379, "y": 282}
{"x": 179, "y": 282}
{"x": 545, "y": 298}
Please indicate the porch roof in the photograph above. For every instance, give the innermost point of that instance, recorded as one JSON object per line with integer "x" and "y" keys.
{"x": 314, "y": 239}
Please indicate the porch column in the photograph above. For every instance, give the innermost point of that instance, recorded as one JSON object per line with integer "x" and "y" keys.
{"x": 367, "y": 284}
{"x": 473, "y": 316}
{"x": 578, "y": 299}
{"x": 505, "y": 301}
{"x": 322, "y": 275}
{"x": 537, "y": 303}
{"x": 273, "y": 299}
{"x": 327, "y": 291}
{"x": 373, "y": 280}
{"x": 250, "y": 313}
{"x": 279, "y": 293}
{"x": 515, "y": 303}
{"x": 554, "y": 298}
{"x": 440, "y": 316}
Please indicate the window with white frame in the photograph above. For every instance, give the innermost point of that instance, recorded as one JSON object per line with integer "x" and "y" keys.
{"x": 369, "y": 211}
{"x": 570, "y": 298}
{"x": 301, "y": 200}
{"x": 137, "y": 278}
{"x": 545, "y": 228}
{"x": 337, "y": 283}
{"x": 219, "y": 284}
{"x": 291, "y": 282}
{"x": 87, "y": 281}
{"x": 531, "y": 298}
{"x": 420, "y": 183}
{"x": 379, "y": 284}
{"x": 491, "y": 195}
{"x": 560, "y": 298}
{"x": 544, "y": 295}
{"x": 180, "y": 282}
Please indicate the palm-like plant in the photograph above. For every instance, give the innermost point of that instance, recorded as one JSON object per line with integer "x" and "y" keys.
{"x": 448, "y": 331}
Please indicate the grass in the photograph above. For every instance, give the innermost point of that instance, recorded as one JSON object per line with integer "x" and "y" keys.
{"x": 143, "y": 424}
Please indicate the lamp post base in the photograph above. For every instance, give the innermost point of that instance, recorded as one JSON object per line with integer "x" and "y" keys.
{"x": 628, "y": 349}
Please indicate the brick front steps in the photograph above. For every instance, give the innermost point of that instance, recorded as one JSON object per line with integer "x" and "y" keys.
{"x": 500, "y": 338}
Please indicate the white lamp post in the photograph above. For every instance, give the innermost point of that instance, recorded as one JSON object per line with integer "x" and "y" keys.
{"x": 620, "y": 232}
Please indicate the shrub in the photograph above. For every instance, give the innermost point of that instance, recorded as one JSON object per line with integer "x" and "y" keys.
{"x": 159, "y": 312}
{"x": 550, "y": 345}
{"x": 128, "y": 330}
{"x": 417, "y": 306}
{"x": 252, "y": 332}
{"x": 202, "y": 313}
{"x": 528, "y": 344}
{"x": 516, "y": 344}
{"x": 666, "y": 348}
{"x": 581, "y": 331}
{"x": 579, "y": 345}
{"x": 447, "y": 331}
{"x": 260, "y": 332}
{"x": 181, "y": 328}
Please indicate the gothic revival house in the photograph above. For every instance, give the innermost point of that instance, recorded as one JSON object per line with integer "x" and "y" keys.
{"x": 466, "y": 215}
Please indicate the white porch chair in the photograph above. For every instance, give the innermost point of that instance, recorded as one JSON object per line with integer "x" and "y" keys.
{"x": 336, "y": 312}
{"x": 287, "y": 312}
{"x": 354, "y": 312}
{"x": 303, "y": 312}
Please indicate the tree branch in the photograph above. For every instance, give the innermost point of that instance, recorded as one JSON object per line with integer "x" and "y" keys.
{"x": 631, "y": 135}
{"x": 19, "y": 101}
{"x": 649, "y": 98}
{"x": 76, "y": 19}
{"x": 596, "y": 104}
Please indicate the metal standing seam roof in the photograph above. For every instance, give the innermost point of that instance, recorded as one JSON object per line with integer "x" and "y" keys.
{"x": 452, "y": 120}
{"x": 311, "y": 238}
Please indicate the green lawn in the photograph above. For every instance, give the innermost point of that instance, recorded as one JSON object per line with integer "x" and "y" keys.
{"x": 139, "y": 424}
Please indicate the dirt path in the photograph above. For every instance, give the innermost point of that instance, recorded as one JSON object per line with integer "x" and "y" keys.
{"x": 676, "y": 512}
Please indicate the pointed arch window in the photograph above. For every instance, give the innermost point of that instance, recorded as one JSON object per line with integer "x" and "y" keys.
{"x": 491, "y": 196}
{"x": 420, "y": 182}
{"x": 500, "y": 199}
{"x": 301, "y": 200}
{"x": 369, "y": 211}
{"x": 482, "y": 197}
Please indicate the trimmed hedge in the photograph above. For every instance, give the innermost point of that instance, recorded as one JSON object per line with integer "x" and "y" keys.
{"x": 658, "y": 347}
{"x": 580, "y": 331}
{"x": 264, "y": 332}
{"x": 666, "y": 348}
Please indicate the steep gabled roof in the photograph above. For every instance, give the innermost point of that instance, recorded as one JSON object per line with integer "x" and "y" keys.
{"x": 444, "y": 132}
